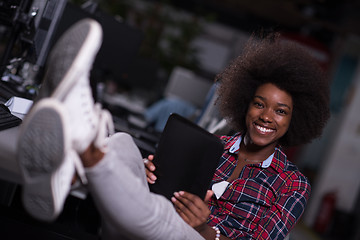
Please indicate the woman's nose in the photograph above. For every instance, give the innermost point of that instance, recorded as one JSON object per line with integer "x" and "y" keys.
{"x": 266, "y": 116}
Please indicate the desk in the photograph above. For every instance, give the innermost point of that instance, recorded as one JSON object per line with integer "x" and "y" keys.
{"x": 9, "y": 169}
{"x": 131, "y": 104}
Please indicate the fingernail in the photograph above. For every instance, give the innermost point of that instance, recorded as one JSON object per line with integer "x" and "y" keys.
{"x": 176, "y": 194}
{"x": 181, "y": 192}
{"x": 173, "y": 199}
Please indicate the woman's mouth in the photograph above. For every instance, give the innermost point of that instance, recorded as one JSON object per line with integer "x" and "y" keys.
{"x": 264, "y": 129}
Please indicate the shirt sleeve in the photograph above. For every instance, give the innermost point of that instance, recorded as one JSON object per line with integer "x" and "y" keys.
{"x": 265, "y": 210}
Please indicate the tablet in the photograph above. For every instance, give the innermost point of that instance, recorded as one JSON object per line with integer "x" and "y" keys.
{"x": 186, "y": 158}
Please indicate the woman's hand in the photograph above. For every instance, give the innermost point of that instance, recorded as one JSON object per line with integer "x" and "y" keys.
{"x": 192, "y": 209}
{"x": 150, "y": 168}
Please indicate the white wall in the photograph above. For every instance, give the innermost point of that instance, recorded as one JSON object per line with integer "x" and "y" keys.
{"x": 340, "y": 170}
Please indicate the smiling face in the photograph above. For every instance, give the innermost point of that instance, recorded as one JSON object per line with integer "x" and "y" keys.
{"x": 269, "y": 115}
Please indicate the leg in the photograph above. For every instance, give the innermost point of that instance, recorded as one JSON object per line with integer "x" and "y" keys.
{"x": 131, "y": 158}
{"x": 66, "y": 86}
{"x": 124, "y": 200}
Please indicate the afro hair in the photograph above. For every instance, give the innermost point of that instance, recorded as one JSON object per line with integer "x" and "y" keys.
{"x": 291, "y": 68}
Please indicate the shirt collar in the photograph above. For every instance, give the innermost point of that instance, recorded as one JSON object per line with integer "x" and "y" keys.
{"x": 235, "y": 147}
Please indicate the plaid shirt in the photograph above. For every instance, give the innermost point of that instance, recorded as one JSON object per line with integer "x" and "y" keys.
{"x": 265, "y": 202}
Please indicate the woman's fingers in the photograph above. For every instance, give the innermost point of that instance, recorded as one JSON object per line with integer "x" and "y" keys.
{"x": 209, "y": 194}
{"x": 185, "y": 217}
{"x": 184, "y": 211}
{"x": 150, "y": 168}
{"x": 191, "y": 208}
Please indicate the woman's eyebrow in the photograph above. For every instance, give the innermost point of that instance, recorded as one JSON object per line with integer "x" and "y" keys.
{"x": 261, "y": 97}
{"x": 284, "y": 105}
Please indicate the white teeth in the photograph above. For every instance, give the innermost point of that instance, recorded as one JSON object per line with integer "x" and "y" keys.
{"x": 262, "y": 129}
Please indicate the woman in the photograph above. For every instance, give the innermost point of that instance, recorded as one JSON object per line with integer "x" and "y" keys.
{"x": 274, "y": 95}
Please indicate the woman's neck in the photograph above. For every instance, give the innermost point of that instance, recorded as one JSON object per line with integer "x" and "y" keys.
{"x": 254, "y": 152}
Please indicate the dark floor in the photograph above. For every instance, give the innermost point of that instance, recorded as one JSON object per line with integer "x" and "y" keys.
{"x": 79, "y": 220}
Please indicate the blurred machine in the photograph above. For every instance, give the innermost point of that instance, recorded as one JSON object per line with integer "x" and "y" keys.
{"x": 29, "y": 28}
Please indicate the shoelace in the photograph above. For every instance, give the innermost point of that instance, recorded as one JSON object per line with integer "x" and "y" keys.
{"x": 105, "y": 129}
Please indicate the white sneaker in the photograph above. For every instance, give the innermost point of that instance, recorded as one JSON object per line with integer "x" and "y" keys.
{"x": 66, "y": 81}
{"x": 45, "y": 159}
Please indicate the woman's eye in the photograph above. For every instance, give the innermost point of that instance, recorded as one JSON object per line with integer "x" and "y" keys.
{"x": 257, "y": 104}
{"x": 281, "y": 111}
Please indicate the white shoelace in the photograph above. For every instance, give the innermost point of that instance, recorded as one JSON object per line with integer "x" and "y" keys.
{"x": 105, "y": 129}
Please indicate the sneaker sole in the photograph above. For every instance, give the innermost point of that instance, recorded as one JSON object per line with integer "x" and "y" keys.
{"x": 42, "y": 147}
{"x": 79, "y": 46}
